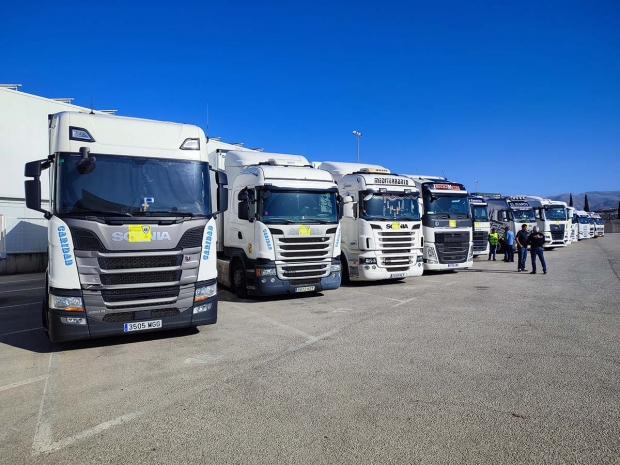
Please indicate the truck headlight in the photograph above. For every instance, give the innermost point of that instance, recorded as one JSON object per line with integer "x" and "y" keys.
{"x": 265, "y": 271}
{"x": 430, "y": 251}
{"x": 68, "y": 304}
{"x": 368, "y": 261}
{"x": 419, "y": 259}
{"x": 204, "y": 292}
{"x": 336, "y": 267}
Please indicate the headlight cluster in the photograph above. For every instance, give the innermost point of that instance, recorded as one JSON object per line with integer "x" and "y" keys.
{"x": 204, "y": 292}
{"x": 265, "y": 272}
{"x": 68, "y": 304}
{"x": 430, "y": 251}
{"x": 336, "y": 268}
{"x": 368, "y": 261}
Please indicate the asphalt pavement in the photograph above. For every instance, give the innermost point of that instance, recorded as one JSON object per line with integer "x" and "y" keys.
{"x": 486, "y": 365}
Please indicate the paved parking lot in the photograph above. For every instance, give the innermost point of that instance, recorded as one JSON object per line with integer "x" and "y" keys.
{"x": 480, "y": 366}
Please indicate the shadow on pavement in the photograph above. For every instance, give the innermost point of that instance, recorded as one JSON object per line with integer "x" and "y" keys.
{"x": 37, "y": 341}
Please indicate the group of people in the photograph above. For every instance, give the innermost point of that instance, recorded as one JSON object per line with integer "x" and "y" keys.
{"x": 535, "y": 240}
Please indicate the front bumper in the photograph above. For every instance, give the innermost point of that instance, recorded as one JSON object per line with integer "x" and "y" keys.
{"x": 94, "y": 328}
{"x": 273, "y": 285}
{"x": 376, "y": 273}
{"x": 448, "y": 266}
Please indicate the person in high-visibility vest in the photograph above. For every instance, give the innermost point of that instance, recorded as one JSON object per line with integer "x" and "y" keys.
{"x": 493, "y": 241}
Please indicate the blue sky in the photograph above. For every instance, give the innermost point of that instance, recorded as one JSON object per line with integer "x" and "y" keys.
{"x": 522, "y": 96}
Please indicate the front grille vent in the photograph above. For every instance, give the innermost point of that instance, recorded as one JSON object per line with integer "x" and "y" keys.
{"x": 192, "y": 238}
{"x": 140, "y": 278}
{"x": 130, "y": 316}
{"x": 124, "y": 263}
{"x": 125, "y": 295}
{"x": 84, "y": 239}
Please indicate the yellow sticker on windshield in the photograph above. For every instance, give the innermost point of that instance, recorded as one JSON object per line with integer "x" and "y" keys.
{"x": 395, "y": 226}
{"x": 452, "y": 223}
{"x": 304, "y": 230}
{"x": 139, "y": 233}
{"x": 477, "y": 224}
{"x": 557, "y": 222}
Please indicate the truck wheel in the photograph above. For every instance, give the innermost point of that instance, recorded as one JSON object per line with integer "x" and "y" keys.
{"x": 346, "y": 279}
{"x": 238, "y": 281}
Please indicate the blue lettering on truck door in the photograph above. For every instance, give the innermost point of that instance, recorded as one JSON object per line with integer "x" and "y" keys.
{"x": 65, "y": 246}
{"x": 267, "y": 239}
{"x": 207, "y": 246}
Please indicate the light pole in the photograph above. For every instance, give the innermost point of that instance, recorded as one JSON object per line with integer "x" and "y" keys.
{"x": 358, "y": 135}
{"x": 476, "y": 186}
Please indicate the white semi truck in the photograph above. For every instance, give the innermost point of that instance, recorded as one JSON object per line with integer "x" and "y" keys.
{"x": 381, "y": 222}
{"x": 511, "y": 211}
{"x": 131, "y": 230}
{"x": 552, "y": 220}
{"x": 584, "y": 224}
{"x": 446, "y": 223}
{"x": 573, "y": 225}
{"x": 281, "y": 233}
{"x": 599, "y": 224}
{"x": 482, "y": 224}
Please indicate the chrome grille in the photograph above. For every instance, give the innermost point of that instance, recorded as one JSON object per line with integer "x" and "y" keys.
{"x": 303, "y": 258}
{"x": 395, "y": 250}
{"x": 452, "y": 247}
{"x": 480, "y": 240}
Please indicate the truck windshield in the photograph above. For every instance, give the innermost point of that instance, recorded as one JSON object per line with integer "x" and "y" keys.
{"x": 446, "y": 204}
{"x": 133, "y": 186}
{"x": 523, "y": 216}
{"x": 480, "y": 213}
{"x": 386, "y": 206}
{"x": 294, "y": 206}
{"x": 555, "y": 213}
{"x": 599, "y": 221}
{"x": 584, "y": 220}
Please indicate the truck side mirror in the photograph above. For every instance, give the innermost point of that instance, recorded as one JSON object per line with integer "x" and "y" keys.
{"x": 32, "y": 187}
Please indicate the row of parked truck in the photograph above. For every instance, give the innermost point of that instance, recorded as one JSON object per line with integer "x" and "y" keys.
{"x": 146, "y": 217}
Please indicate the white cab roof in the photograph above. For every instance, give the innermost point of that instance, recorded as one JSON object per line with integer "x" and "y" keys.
{"x": 249, "y": 158}
{"x": 339, "y": 169}
{"x": 118, "y": 135}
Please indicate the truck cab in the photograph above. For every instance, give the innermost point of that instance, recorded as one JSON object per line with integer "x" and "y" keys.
{"x": 482, "y": 224}
{"x": 552, "y": 219}
{"x": 584, "y": 224}
{"x": 512, "y": 211}
{"x": 573, "y": 225}
{"x": 130, "y": 226}
{"x": 281, "y": 232}
{"x": 446, "y": 223}
{"x": 381, "y": 222}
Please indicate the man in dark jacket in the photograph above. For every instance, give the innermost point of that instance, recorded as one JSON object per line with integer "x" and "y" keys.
{"x": 536, "y": 241}
{"x": 521, "y": 240}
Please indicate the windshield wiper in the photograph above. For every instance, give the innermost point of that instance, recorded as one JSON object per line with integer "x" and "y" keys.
{"x": 99, "y": 213}
{"x": 316, "y": 220}
{"x": 165, "y": 213}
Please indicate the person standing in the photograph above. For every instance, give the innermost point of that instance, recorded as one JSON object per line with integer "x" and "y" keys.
{"x": 536, "y": 241}
{"x": 493, "y": 241}
{"x": 521, "y": 240}
{"x": 509, "y": 242}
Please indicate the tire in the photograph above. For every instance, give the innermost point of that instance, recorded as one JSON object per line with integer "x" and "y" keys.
{"x": 238, "y": 281}
{"x": 346, "y": 279}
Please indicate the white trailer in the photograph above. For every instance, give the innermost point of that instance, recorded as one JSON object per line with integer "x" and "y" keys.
{"x": 281, "y": 232}
{"x": 446, "y": 223}
{"x": 381, "y": 222}
{"x": 131, "y": 230}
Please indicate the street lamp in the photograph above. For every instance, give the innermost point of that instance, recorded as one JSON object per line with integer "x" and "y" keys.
{"x": 358, "y": 135}
{"x": 476, "y": 186}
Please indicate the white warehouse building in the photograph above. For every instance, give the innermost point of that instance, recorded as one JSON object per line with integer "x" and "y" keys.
{"x": 24, "y": 138}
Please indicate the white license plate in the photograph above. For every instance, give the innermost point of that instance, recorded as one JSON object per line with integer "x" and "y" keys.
{"x": 452, "y": 264}
{"x": 154, "y": 324}
{"x": 305, "y": 289}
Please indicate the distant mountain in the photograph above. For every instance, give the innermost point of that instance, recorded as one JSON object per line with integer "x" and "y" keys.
{"x": 598, "y": 200}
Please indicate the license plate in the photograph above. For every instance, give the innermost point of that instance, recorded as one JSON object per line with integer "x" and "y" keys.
{"x": 305, "y": 289}
{"x": 154, "y": 324}
{"x": 452, "y": 264}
